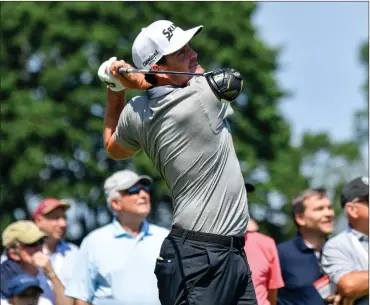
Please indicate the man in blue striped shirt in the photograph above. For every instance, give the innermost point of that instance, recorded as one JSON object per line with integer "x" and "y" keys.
{"x": 116, "y": 262}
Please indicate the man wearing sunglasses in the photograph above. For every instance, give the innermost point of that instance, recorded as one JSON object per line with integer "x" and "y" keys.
{"x": 116, "y": 262}
{"x": 23, "y": 242}
{"x": 346, "y": 256}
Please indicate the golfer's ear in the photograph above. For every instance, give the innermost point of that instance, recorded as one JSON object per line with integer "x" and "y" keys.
{"x": 156, "y": 67}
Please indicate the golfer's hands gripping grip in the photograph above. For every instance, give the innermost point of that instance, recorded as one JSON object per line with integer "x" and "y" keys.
{"x": 225, "y": 83}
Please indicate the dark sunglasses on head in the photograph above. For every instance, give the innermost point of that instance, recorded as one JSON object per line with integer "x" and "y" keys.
{"x": 136, "y": 189}
{"x": 40, "y": 242}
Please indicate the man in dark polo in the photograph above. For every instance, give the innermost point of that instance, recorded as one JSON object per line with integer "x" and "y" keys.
{"x": 300, "y": 258}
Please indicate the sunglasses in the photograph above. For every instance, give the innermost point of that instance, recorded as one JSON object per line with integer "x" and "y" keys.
{"x": 40, "y": 242}
{"x": 136, "y": 189}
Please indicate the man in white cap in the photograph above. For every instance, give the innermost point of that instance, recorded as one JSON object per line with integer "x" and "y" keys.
{"x": 116, "y": 262}
{"x": 181, "y": 124}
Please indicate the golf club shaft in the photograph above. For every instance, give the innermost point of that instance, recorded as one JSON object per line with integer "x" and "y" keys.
{"x": 124, "y": 70}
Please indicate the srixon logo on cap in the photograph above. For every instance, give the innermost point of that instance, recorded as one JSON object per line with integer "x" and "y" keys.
{"x": 169, "y": 31}
{"x": 150, "y": 59}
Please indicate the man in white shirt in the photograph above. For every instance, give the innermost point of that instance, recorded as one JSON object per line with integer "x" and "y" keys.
{"x": 50, "y": 217}
{"x": 116, "y": 262}
{"x": 346, "y": 256}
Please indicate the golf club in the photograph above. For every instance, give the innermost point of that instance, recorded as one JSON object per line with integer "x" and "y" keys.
{"x": 124, "y": 70}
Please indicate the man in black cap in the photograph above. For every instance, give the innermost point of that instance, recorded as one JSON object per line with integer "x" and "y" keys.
{"x": 346, "y": 256}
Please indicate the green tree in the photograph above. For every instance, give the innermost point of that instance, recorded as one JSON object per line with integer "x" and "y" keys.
{"x": 53, "y": 103}
{"x": 362, "y": 116}
{"x": 330, "y": 164}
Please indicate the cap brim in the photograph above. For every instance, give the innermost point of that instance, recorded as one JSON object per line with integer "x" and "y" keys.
{"x": 25, "y": 287}
{"x": 62, "y": 204}
{"x": 31, "y": 237}
{"x": 146, "y": 180}
{"x": 182, "y": 40}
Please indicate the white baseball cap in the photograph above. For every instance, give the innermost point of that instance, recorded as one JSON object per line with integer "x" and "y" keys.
{"x": 160, "y": 38}
{"x": 123, "y": 180}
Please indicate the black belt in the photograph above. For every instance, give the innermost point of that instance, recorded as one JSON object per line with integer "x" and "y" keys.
{"x": 231, "y": 241}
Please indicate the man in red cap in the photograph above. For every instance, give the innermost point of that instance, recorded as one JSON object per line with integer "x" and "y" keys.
{"x": 50, "y": 217}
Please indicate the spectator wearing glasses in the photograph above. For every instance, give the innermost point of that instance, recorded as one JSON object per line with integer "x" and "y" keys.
{"x": 116, "y": 262}
{"x": 23, "y": 242}
{"x": 346, "y": 256}
{"x": 50, "y": 217}
{"x": 25, "y": 289}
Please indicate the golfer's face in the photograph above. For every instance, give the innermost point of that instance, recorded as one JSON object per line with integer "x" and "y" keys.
{"x": 183, "y": 60}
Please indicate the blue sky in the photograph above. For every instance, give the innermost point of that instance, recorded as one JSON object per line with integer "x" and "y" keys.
{"x": 320, "y": 62}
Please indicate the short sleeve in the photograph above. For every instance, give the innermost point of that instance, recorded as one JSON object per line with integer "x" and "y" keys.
{"x": 125, "y": 132}
{"x": 275, "y": 279}
{"x": 334, "y": 261}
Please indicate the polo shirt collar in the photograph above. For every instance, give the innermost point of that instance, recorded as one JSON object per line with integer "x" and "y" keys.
{"x": 301, "y": 245}
{"x": 119, "y": 231}
{"x": 161, "y": 91}
{"x": 62, "y": 247}
{"x": 361, "y": 236}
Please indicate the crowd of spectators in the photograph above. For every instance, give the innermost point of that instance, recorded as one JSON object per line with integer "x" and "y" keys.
{"x": 115, "y": 263}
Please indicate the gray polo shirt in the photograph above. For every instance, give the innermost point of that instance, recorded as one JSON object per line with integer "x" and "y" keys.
{"x": 185, "y": 133}
{"x": 347, "y": 252}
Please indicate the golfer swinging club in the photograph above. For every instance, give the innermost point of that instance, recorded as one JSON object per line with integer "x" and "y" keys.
{"x": 181, "y": 125}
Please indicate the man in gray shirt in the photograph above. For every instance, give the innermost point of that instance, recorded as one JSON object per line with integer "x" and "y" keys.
{"x": 181, "y": 125}
{"x": 346, "y": 256}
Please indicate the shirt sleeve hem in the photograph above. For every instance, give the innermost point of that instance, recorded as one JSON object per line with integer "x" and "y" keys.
{"x": 125, "y": 144}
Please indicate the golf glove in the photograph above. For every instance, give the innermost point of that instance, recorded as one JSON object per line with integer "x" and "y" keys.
{"x": 225, "y": 83}
{"x": 107, "y": 78}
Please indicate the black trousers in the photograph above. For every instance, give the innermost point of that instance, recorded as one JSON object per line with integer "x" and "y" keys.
{"x": 203, "y": 269}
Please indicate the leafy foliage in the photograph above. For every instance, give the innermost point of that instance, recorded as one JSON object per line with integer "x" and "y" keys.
{"x": 362, "y": 116}
{"x": 53, "y": 104}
